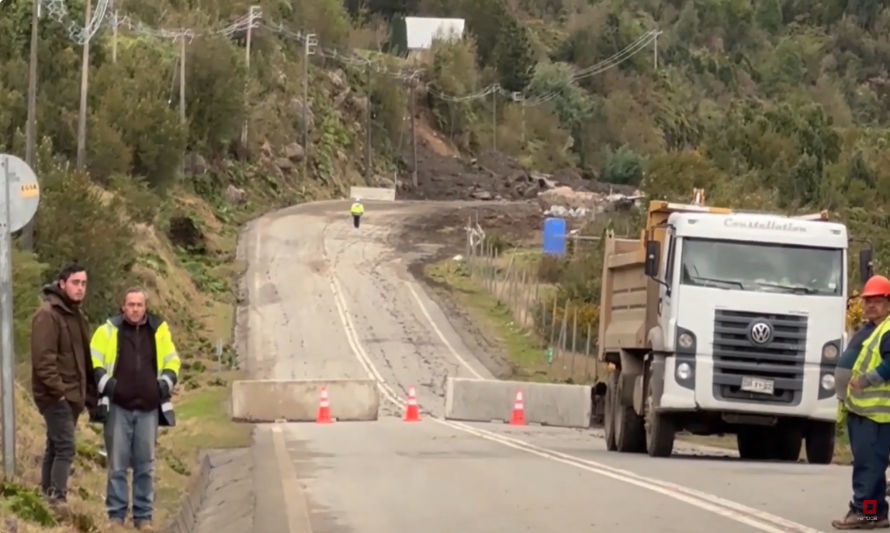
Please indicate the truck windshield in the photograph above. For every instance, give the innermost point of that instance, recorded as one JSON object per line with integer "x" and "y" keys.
{"x": 762, "y": 267}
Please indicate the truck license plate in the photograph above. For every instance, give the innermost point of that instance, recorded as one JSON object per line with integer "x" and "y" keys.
{"x": 759, "y": 385}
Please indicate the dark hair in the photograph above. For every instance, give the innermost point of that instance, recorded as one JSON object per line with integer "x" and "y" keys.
{"x": 66, "y": 272}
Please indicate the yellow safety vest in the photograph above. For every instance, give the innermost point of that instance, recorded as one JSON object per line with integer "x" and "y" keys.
{"x": 872, "y": 402}
{"x": 357, "y": 209}
{"x": 103, "y": 346}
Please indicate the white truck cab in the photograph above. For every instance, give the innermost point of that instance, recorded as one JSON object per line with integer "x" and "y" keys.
{"x": 720, "y": 322}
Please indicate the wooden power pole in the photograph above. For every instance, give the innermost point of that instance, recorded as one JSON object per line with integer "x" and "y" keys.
{"x": 84, "y": 87}
{"x": 27, "y": 239}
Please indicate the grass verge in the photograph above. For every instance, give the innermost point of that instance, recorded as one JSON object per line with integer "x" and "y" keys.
{"x": 525, "y": 349}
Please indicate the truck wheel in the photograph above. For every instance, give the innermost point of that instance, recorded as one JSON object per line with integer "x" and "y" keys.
{"x": 754, "y": 443}
{"x": 659, "y": 429}
{"x": 820, "y": 442}
{"x": 788, "y": 442}
{"x": 609, "y": 411}
{"x": 630, "y": 433}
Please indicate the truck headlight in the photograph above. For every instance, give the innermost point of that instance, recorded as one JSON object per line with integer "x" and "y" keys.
{"x": 685, "y": 341}
{"x": 684, "y": 371}
{"x": 828, "y": 381}
{"x": 829, "y": 352}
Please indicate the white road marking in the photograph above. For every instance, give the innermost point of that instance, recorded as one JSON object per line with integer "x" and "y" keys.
{"x": 441, "y": 336}
{"x": 757, "y": 519}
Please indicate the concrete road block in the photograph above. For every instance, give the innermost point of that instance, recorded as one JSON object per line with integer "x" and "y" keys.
{"x": 372, "y": 193}
{"x": 552, "y": 404}
{"x": 268, "y": 400}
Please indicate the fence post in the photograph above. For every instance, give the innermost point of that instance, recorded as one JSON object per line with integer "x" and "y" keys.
{"x": 574, "y": 339}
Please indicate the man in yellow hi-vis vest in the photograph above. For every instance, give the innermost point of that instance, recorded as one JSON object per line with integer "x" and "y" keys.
{"x": 136, "y": 367}
{"x": 866, "y": 405}
{"x": 357, "y": 210}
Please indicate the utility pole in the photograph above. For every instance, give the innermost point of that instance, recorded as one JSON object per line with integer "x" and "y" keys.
{"x": 250, "y": 15}
{"x": 494, "y": 118}
{"x": 84, "y": 84}
{"x": 308, "y": 42}
{"x": 182, "y": 79}
{"x": 114, "y": 38}
{"x": 27, "y": 240}
{"x": 368, "y": 127}
{"x": 413, "y": 136}
{"x": 655, "y": 50}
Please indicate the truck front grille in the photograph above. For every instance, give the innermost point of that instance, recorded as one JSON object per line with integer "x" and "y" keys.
{"x": 781, "y": 359}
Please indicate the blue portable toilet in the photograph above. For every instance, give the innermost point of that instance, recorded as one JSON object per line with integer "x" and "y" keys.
{"x": 554, "y": 240}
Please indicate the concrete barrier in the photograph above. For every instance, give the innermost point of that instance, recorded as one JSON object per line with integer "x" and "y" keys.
{"x": 268, "y": 400}
{"x": 372, "y": 193}
{"x": 551, "y": 404}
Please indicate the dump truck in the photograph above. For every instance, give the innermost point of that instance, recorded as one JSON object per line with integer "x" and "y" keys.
{"x": 720, "y": 322}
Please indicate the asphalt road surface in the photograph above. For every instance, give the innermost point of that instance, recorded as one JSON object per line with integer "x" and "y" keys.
{"x": 327, "y": 300}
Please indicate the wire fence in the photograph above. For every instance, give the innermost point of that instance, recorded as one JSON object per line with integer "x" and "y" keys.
{"x": 563, "y": 331}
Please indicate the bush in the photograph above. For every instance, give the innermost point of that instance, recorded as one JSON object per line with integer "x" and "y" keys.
{"x": 624, "y": 167}
{"x": 27, "y": 275}
{"x": 74, "y": 223}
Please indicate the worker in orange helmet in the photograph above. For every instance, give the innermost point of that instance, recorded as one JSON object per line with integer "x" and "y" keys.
{"x": 862, "y": 379}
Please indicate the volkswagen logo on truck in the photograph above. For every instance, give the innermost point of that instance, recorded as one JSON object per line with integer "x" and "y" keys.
{"x": 761, "y": 332}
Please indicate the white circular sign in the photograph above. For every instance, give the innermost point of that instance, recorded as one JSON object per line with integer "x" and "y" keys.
{"x": 24, "y": 191}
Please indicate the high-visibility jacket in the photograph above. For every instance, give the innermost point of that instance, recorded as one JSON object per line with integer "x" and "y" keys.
{"x": 357, "y": 209}
{"x": 872, "y": 401}
{"x": 104, "y": 351}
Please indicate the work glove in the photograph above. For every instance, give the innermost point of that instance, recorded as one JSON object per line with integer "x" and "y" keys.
{"x": 109, "y": 388}
{"x": 164, "y": 387}
{"x": 842, "y": 414}
{"x": 99, "y": 413}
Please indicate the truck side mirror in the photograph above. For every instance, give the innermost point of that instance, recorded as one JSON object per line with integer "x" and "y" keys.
{"x": 653, "y": 254}
{"x": 866, "y": 269}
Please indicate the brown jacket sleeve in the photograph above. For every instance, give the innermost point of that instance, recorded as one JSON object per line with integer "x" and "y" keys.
{"x": 44, "y": 355}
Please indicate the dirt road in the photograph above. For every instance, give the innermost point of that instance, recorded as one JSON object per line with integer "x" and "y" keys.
{"x": 326, "y": 300}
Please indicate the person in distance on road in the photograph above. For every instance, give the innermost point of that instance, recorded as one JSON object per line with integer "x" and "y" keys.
{"x": 863, "y": 386}
{"x": 357, "y": 210}
{"x": 137, "y": 368}
{"x": 61, "y": 375}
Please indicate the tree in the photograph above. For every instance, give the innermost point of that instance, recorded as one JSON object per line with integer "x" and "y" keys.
{"x": 514, "y": 57}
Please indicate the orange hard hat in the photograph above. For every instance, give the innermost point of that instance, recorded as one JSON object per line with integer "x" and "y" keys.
{"x": 876, "y": 286}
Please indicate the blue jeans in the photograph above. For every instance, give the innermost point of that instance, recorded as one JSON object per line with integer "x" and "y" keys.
{"x": 130, "y": 442}
{"x": 870, "y": 444}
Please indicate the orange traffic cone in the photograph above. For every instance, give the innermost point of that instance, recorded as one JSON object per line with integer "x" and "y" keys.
{"x": 324, "y": 408}
{"x": 412, "y": 412}
{"x": 518, "y": 418}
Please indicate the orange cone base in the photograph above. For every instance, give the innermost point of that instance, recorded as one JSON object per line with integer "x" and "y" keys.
{"x": 518, "y": 419}
{"x": 412, "y": 414}
{"x": 324, "y": 416}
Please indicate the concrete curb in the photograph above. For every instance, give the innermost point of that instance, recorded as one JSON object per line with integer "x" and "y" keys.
{"x": 186, "y": 518}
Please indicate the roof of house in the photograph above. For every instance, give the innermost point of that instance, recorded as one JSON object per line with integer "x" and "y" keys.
{"x": 421, "y": 31}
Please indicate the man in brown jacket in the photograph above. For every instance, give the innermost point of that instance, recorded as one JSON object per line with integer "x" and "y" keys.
{"x": 61, "y": 374}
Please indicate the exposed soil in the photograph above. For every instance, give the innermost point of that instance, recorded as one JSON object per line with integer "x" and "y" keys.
{"x": 491, "y": 176}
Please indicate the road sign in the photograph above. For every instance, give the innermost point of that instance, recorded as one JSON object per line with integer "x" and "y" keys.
{"x": 24, "y": 191}
{"x": 19, "y": 197}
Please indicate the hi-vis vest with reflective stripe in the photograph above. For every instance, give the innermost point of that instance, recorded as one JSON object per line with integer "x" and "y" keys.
{"x": 872, "y": 402}
{"x": 103, "y": 347}
{"x": 357, "y": 209}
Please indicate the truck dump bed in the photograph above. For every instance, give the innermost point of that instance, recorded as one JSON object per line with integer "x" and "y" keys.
{"x": 625, "y": 296}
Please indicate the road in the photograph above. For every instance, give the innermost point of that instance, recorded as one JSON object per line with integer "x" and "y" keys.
{"x": 327, "y": 300}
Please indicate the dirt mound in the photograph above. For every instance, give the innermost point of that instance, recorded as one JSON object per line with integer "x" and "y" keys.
{"x": 491, "y": 176}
